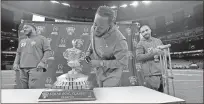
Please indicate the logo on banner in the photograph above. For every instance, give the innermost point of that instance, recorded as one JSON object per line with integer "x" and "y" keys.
{"x": 126, "y": 69}
{"x": 134, "y": 42}
{"x": 60, "y": 68}
{"x": 128, "y": 30}
{"x": 51, "y": 55}
{"x": 130, "y": 55}
{"x": 62, "y": 42}
{"x": 133, "y": 80}
{"x": 55, "y": 30}
{"x": 48, "y": 83}
{"x": 70, "y": 30}
{"x": 138, "y": 66}
{"x": 86, "y": 31}
{"x": 40, "y": 29}
{"x": 49, "y": 40}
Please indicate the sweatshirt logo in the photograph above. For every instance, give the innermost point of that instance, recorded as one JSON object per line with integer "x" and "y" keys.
{"x": 33, "y": 43}
{"x": 149, "y": 49}
{"x": 23, "y": 44}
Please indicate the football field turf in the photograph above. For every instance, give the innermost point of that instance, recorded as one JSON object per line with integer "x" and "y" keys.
{"x": 188, "y": 85}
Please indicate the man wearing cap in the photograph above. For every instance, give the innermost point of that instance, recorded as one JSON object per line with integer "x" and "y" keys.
{"x": 108, "y": 47}
{"x": 31, "y": 57}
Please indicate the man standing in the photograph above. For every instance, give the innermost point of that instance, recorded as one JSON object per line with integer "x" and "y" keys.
{"x": 148, "y": 54}
{"x": 31, "y": 57}
{"x": 109, "y": 48}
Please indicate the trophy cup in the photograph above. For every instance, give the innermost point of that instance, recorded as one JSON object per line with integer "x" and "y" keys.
{"x": 73, "y": 79}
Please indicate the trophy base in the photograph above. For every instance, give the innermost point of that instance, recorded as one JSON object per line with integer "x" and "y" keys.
{"x": 58, "y": 95}
{"x": 72, "y": 80}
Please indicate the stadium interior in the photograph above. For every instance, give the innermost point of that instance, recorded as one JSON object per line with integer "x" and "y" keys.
{"x": 179, "y": 23}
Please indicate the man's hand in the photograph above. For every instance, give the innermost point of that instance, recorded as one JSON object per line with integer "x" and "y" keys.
{"x": 157, "y": 51}
{"x": 95, "y": 63}
{"x": 16, "y": 67}
{"x": 41, "y": 65}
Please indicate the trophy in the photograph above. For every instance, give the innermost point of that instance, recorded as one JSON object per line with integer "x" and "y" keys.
{"x": 70, "y": 30}
{"x": 138, "y": 66}
{"x": 130, "y": 55}
{"x": 86, "y": 31}
{"x": 40, "y": 29}
{"x": 51, "y": 55}
{"x": 60, "y": 68}
{"x": 73, "y": 79}
{"x": 71, "y": 86}
{"x": 48, "y": 82}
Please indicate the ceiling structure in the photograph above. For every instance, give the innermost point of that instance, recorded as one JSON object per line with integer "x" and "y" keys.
{"x": 87, "y": 9}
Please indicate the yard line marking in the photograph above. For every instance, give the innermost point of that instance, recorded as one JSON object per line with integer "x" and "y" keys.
{"x": 188, "y": 80}
{"x": 188, "y": 74}
{"x": 188, "y": 70}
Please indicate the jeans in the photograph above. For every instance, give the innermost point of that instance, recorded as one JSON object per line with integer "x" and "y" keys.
{"x": 29, "y": 78}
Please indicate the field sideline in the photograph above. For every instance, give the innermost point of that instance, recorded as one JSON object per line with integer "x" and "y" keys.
{"x": 188, "y": 84}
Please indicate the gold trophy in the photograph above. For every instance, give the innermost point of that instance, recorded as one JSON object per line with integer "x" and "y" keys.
{"x": 73, "y": 79}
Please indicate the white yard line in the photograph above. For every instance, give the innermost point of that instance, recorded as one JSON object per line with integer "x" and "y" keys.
{"x": 188, "y": 74}
{"x": 183, "y": 70}
{"x": 200, "y": 86}
{"x": 187, "y": 80}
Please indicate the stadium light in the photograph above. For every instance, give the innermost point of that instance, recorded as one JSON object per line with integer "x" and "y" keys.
{"x": 146, "y": 2}
{"x": 65, "y": 4}
{"x": 135, "y": 3}
{"x": 114, "y": 7}
{"x": 54, "y": 2}
{"x": 124, "y": 6}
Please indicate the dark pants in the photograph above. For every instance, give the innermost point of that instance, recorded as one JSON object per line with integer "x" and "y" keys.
{"x": 29, "y": 78}
{"x": 109, "y": 82}
{"x": 154, "y": 82}
{"x": 161, "y": 88}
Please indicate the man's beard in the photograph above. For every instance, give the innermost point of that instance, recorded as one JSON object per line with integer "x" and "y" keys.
{"x": 100, "y": 34}
{"x": 29, "y": 33}
{"x": 146, "y": 37}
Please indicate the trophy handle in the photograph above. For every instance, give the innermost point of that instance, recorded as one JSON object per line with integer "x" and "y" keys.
{"x": 64, "y": 55}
